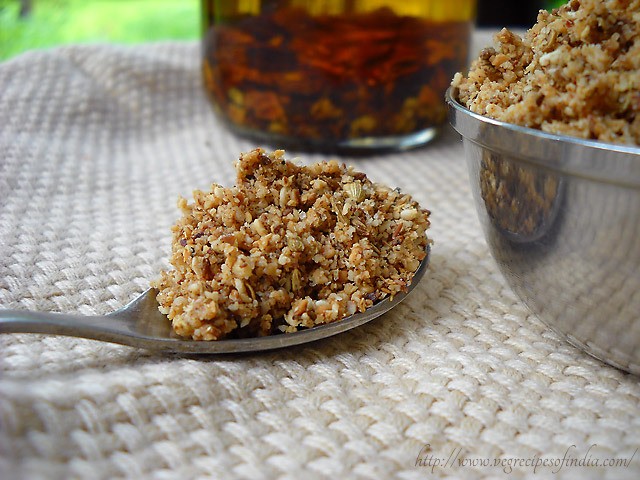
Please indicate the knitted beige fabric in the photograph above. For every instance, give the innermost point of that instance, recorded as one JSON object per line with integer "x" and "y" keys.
{"x": 96, "y": 144}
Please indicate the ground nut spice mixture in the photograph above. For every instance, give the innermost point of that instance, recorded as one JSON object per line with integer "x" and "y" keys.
{"x": 576, "y": 72}
{"x": 289, "y": 247}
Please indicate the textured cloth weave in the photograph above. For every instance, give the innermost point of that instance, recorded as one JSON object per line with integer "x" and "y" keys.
{"x": 96, "y": 144}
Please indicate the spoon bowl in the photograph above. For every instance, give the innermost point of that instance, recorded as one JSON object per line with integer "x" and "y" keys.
{"x": 140, "y": 324}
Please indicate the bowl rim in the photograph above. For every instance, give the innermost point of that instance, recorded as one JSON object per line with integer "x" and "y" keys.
{"x": 598, "y": 160}
{"x": 616, "y": 147}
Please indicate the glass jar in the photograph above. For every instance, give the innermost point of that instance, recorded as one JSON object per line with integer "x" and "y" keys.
{"x": 334, "y": 75}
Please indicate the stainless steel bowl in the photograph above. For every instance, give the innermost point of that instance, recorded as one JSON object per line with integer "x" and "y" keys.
{"x": 561, "y": 216}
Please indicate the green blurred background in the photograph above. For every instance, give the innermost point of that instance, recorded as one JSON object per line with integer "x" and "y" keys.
{"x": 55, "y": 22}
{"x": 31, "y": 24}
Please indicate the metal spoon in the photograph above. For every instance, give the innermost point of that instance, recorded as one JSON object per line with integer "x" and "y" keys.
{"x": 140, "y": 324}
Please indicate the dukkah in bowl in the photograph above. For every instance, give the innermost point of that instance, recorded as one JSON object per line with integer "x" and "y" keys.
{"x": 551, "y": 130}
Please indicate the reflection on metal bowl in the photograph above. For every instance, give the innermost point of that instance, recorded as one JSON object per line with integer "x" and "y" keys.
{"x": 561, "y": 216}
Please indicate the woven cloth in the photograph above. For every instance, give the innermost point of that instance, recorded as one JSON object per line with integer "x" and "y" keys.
{"x": 460, "y": 380}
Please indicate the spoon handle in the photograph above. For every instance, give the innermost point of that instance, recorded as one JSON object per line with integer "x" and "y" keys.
{"x": 98, "y": 327}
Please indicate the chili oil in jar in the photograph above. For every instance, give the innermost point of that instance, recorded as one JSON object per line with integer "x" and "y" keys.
{"x": 334, "y": 75}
